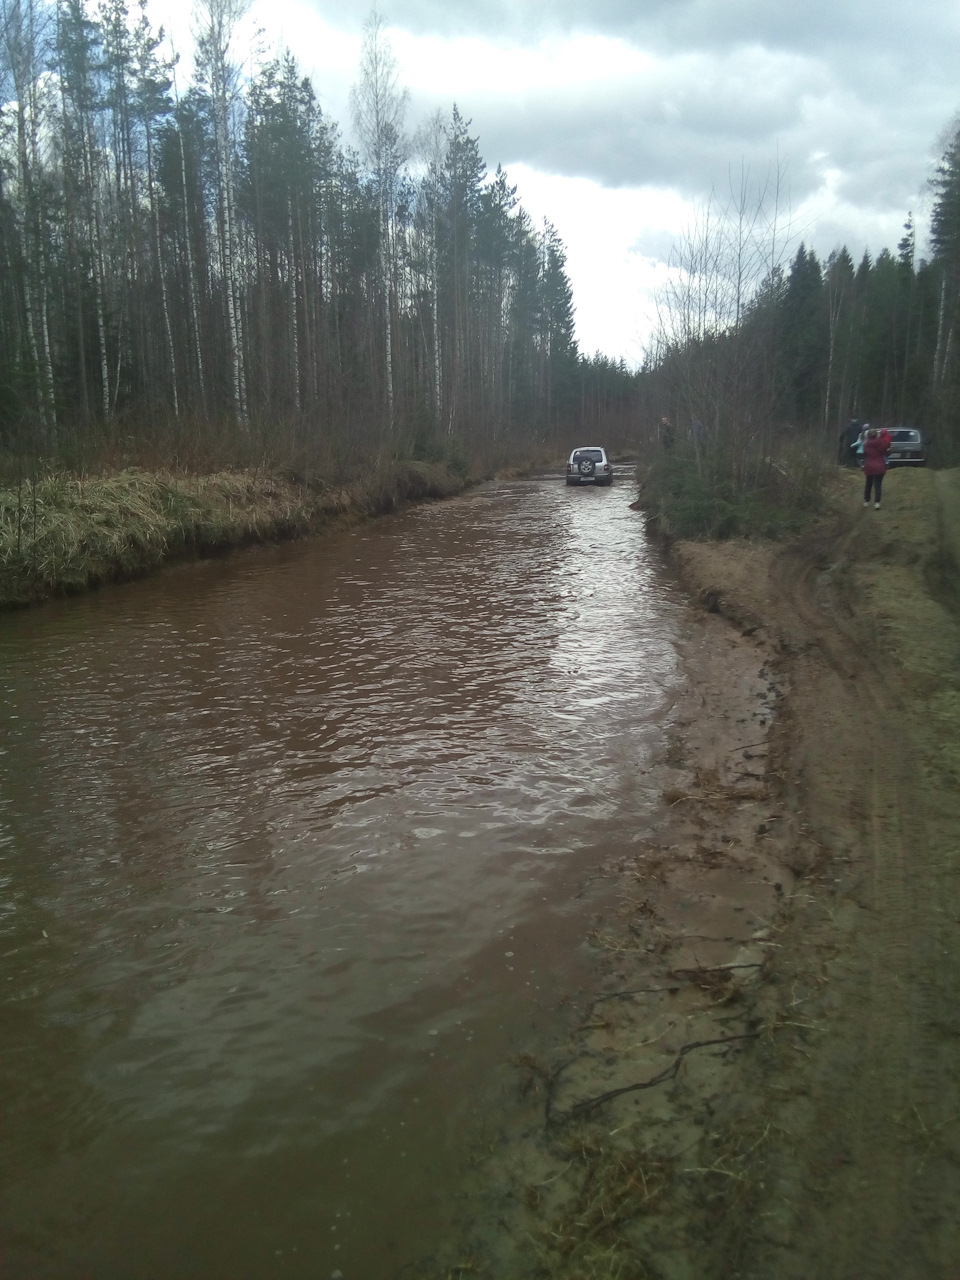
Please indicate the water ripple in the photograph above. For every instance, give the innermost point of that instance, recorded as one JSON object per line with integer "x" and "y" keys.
{"x": 264, "y": 823}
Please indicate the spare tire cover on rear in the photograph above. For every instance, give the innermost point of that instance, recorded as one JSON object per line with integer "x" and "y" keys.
{"x": 587, "y": 466}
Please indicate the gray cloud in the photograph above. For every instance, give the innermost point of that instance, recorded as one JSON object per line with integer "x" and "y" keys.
{"x": 700, "y": 119}
{"x": 845, "y": 94}
{"x": 927, "y": 30}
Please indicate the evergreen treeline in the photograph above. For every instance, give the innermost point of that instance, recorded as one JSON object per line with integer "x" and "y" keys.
{"x": 213, "y": 268}
{"x": 749, "y": 346}
{"x": 856, "y": 341}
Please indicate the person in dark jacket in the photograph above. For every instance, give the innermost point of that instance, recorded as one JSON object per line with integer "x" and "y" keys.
{"x": 874, "y": 467}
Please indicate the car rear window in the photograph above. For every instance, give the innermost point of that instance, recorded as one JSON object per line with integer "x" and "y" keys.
{"x": 595, "y": 455}
{"x": 906, "y": 437}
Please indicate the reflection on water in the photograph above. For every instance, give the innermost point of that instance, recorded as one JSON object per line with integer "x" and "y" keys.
{"x": 288, "y": 846}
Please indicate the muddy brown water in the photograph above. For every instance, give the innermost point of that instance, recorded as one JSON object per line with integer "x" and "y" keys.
{"x": 290, "y": 853}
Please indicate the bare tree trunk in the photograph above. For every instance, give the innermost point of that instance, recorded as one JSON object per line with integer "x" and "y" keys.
{"x": 216, "y": 21}
{"x": 191, "y": 274}
{"x": 29, "y": 254}
{"x": 23, "y": 59}
{"x": 379, "y": 107}
{"x": 225, "y": 178}
{"x": 836, "y": 309}
{"x": 96, "y": 248}
{"x": 940, "y": 353}
{"x": 294, "y": 326}
{"x": 161, "y": 274}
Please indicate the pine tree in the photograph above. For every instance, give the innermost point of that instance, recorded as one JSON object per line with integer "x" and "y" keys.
{"x": 803, "y": 337}
{"x": 840, "y": 297}
{"x": 494, "y": 240}
{"x": 558, "y": 348}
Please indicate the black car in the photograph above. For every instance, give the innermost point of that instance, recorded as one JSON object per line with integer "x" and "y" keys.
{"x": 907, "y": 447}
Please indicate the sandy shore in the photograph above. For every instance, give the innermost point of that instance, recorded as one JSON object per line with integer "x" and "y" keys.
{"x": 764, "y": 1082}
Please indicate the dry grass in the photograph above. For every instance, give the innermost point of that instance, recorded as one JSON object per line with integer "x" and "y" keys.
{"x": 587, "y": 1236}
{"x": 60, "y": 533}
{"x": 719, "y": 798}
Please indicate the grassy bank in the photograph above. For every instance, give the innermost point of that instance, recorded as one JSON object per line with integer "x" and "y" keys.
{"x": 691, "y": 493}
{"x": 61, "y": 533}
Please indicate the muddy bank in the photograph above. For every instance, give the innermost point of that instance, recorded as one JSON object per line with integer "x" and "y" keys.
{"x": 61, "y": 533}
{"x": 763, "y": 1083}
{"x": 617, "y": 1159}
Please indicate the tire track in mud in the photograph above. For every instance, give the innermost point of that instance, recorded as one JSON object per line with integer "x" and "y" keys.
{"x": 871, "y": 1189}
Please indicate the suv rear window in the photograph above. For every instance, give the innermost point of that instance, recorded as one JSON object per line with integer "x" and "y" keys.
{"x": 595, "y": 455}
{"x": 906, "y": 437}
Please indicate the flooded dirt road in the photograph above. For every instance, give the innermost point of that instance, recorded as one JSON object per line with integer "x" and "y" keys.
{"x": 289, "y": 853}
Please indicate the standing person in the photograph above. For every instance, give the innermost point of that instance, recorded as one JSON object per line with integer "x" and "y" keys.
{"x": 849, "y": 440}
{"x": 874, "y": 467}
{"x": 861, "y": 441}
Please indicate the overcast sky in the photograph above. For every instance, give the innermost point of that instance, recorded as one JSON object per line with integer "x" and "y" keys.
{"x": 617, "y": 118}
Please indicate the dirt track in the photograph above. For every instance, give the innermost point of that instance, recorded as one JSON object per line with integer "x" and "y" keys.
{"x": 767, "y": 1084}
{"x": 865, "y": 1171}
{"x": 862, "y": 1171}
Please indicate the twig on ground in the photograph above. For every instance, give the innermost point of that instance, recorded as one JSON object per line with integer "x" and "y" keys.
{"x": 714, "y": 968}
{"x": 580, "y": 1109}
{"x": 634, "y": 991}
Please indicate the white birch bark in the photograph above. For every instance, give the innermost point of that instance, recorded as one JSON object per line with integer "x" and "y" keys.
{"x": 379, "y": 106}
{"x": 191, "y": 274}
{"x": 22, "y": 53}
{"x": 161, "y": 275}
{"x": 215, "y": 22}
{"x": 294, "y": 328}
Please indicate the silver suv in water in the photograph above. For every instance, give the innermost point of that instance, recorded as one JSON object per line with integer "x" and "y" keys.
{"x": 589, "y": 465}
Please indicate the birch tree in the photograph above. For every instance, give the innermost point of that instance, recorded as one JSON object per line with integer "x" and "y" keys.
{"x": 23, "y": 57}
{"x": 430, "y": 148}
{"x": 711, "y": 355}
{"x": 153, "y": 104}
{"x": 215, "y": 23}
{"x": 78, "y": 62}
{"x": 379, "y": 106}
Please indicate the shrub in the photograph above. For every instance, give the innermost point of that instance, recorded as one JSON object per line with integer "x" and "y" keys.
{"x": 716, "y": 495}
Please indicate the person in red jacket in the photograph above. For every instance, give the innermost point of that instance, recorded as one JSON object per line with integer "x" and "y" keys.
{"x": 874, "y": 467}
